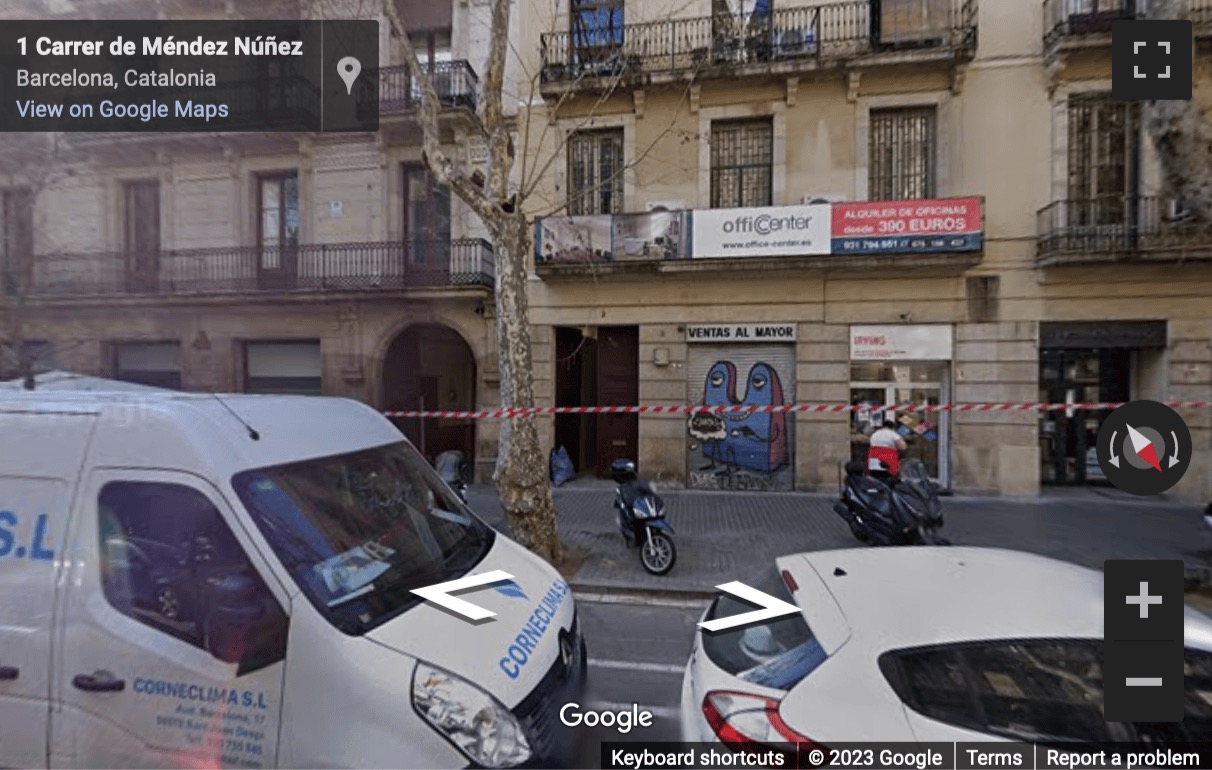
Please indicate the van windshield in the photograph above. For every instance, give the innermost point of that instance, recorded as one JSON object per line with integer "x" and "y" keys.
{"x": 359, "y": 531}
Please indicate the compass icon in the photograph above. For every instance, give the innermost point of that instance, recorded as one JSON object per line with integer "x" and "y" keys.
{"x": 1144, "y": 447}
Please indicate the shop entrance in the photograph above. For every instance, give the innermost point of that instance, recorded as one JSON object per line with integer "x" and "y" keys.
{"x": 597, "y": 366}
{"x": 1094, "y": 362}
{"x": 882, "y": 387}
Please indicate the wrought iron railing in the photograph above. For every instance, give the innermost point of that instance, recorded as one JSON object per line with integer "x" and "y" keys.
{"x": 456, "y": 83}
{"x": 834, "y": 32}
{"x": 1114, "y": 227}
{"x": 380, "y": 266}
{"x": 1063, "y": 18}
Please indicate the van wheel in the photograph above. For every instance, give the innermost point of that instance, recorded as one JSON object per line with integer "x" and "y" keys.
{"x": 168, "y": 603}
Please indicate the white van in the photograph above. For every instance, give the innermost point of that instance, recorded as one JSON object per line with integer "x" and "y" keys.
{"x": 200, "y": 581}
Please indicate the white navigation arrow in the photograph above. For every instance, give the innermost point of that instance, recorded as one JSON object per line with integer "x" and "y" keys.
{"x": 1174, "y": 457}
{"x": 772, "y": 607}
{"x": 1114, "y": 457}
{"x": 440, "y": 594}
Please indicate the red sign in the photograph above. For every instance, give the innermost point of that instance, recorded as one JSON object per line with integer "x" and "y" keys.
{"x": 947, "y": 224}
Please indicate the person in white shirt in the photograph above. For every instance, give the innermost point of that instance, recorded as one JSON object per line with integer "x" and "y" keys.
{"x": 884, "y": 452}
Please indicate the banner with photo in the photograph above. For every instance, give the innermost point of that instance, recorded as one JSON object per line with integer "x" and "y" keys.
{"x": 655, "y": 235}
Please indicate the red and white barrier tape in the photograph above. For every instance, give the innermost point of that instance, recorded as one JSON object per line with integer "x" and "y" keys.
{"x": 511, "y": 414}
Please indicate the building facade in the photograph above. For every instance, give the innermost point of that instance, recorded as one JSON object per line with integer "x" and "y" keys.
{"x": 261, "y": 262}
{"x": 865, "y": 202}
{"x": 991, "y": 228}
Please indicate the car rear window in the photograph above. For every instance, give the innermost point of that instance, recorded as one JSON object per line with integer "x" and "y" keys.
{"x": 777, "y": 654}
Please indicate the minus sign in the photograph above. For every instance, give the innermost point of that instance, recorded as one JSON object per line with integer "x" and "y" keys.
{"x": 1144, "y": 681}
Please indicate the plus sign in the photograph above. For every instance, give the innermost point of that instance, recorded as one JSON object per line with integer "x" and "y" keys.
{"x": 1144, "y": 600}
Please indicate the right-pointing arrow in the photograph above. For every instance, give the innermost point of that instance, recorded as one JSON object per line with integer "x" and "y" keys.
{"x": 771, "y": 607}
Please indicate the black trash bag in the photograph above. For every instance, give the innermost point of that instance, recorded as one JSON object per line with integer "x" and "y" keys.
{"x": 562, "y": 470}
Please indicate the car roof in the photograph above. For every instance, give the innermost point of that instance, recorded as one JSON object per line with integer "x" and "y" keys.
{"x": 916, "y": 596}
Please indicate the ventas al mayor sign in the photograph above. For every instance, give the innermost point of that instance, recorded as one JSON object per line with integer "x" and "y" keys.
{"x": 775, "y": 332}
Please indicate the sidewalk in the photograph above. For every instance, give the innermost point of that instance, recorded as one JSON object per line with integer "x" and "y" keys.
{"x": 725, "y": 536}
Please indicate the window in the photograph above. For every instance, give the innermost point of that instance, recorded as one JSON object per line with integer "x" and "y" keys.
{"x": 426, "y": 217}
{"x": 277, "y": 218}
{"x": 1033, "y": 690}
{"x": 742, "y": 161}
{"x": 902, "y": 164}
{"x": 169, "y": 561}
{"x": 16, "y": 241}
{"x": 141, "y": 234}
{"x": 597, "y": 29}
{"x": 359, "y": 531}
{"x": 595, "y": 172}
{"x": 1104, "y": 141}
{"x": 148, "y": 363}
{"x": 283, "y": 367}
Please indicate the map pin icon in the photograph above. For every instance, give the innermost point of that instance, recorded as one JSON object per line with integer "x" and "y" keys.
{"x": 348, "y": 68}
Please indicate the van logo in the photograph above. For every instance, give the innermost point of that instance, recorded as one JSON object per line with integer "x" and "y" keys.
{"x": 510, "y": 589}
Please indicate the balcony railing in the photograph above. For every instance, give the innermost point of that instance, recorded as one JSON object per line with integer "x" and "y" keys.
{"x": 822, "y": 34}
{"x": 456, "y": 83}
{"x": 1076, "y": 19}
{"x": 307, "y": 268}
{"x": 1119, "y": 229}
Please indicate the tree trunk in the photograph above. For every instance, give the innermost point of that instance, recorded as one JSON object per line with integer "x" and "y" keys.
{"x": 522, "y": 472}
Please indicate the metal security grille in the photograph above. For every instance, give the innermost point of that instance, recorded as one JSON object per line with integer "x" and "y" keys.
{"x": 1104, "y": 140}
{"x": 742, "y": 159}
{"x": 903, "y": 154}
{"x": 595, "y": 172}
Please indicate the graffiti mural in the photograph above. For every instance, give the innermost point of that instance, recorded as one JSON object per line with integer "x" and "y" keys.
{"x": 744, "y": 450}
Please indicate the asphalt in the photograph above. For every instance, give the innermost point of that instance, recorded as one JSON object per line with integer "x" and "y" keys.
{"x": 724, "y": 536}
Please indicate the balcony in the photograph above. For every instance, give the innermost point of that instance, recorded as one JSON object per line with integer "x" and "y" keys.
{"x": 1078, "y": 24}
{"x": 1116, "y": 230}
{"x": 788, "y": 41}
{"x": 249, "y": 272}
{"x": 456, "y": 83}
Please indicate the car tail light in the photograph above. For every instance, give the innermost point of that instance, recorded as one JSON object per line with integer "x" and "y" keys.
{"x": 740, "y": 719}
{"x": 790, "y": 581}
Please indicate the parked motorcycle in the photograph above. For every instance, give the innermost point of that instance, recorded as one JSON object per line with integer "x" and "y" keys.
{"x": 904, "y": 511}
{"x": 641, "y": 517}
{"x": 451, "y": 465}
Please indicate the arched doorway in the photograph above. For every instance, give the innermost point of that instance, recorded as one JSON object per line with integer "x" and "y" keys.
{"x": 430, "y": 367}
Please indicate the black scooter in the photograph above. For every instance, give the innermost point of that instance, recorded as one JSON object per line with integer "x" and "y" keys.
{"x": 904, "y": 511}
{"x": 641, "y": 517}
{"x": 452, "y": 466}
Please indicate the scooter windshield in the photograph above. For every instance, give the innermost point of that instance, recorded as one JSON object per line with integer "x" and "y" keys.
{"x": 359, "y": 531}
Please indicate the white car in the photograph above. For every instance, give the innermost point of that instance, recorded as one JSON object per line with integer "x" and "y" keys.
{"x": 923, "y": 644}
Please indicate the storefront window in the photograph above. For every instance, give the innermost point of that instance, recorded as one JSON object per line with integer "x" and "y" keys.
{"x": 882, "y": 387}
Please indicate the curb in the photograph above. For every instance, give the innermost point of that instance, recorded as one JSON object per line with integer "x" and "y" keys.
{"x": 598, "y": 593}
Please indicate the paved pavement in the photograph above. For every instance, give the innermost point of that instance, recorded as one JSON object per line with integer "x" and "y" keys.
{"x": 725, "y": 536}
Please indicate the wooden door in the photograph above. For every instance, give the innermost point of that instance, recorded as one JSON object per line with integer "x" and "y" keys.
{"x": 618, "y": 384}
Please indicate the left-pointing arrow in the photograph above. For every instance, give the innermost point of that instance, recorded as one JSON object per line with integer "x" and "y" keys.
{"x": 440, "y": 594}
{"x": 771, "y": 607}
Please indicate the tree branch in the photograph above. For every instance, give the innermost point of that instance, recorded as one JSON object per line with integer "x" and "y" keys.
{"x": 439, "y": 164}
{"x": 500, "y": 146}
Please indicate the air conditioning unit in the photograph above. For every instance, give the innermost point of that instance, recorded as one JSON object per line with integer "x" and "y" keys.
{"x": 811, "y": 199}
{"x": 1177, "y": 211}
{"x": 667, "y": 205}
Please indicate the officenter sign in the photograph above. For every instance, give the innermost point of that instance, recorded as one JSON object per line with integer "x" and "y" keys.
{"x": 766, "y": 232}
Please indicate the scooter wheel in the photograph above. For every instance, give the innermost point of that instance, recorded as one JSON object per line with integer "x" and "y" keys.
{"x": 658, "y": 553}
{"x": 860, "y": 534}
